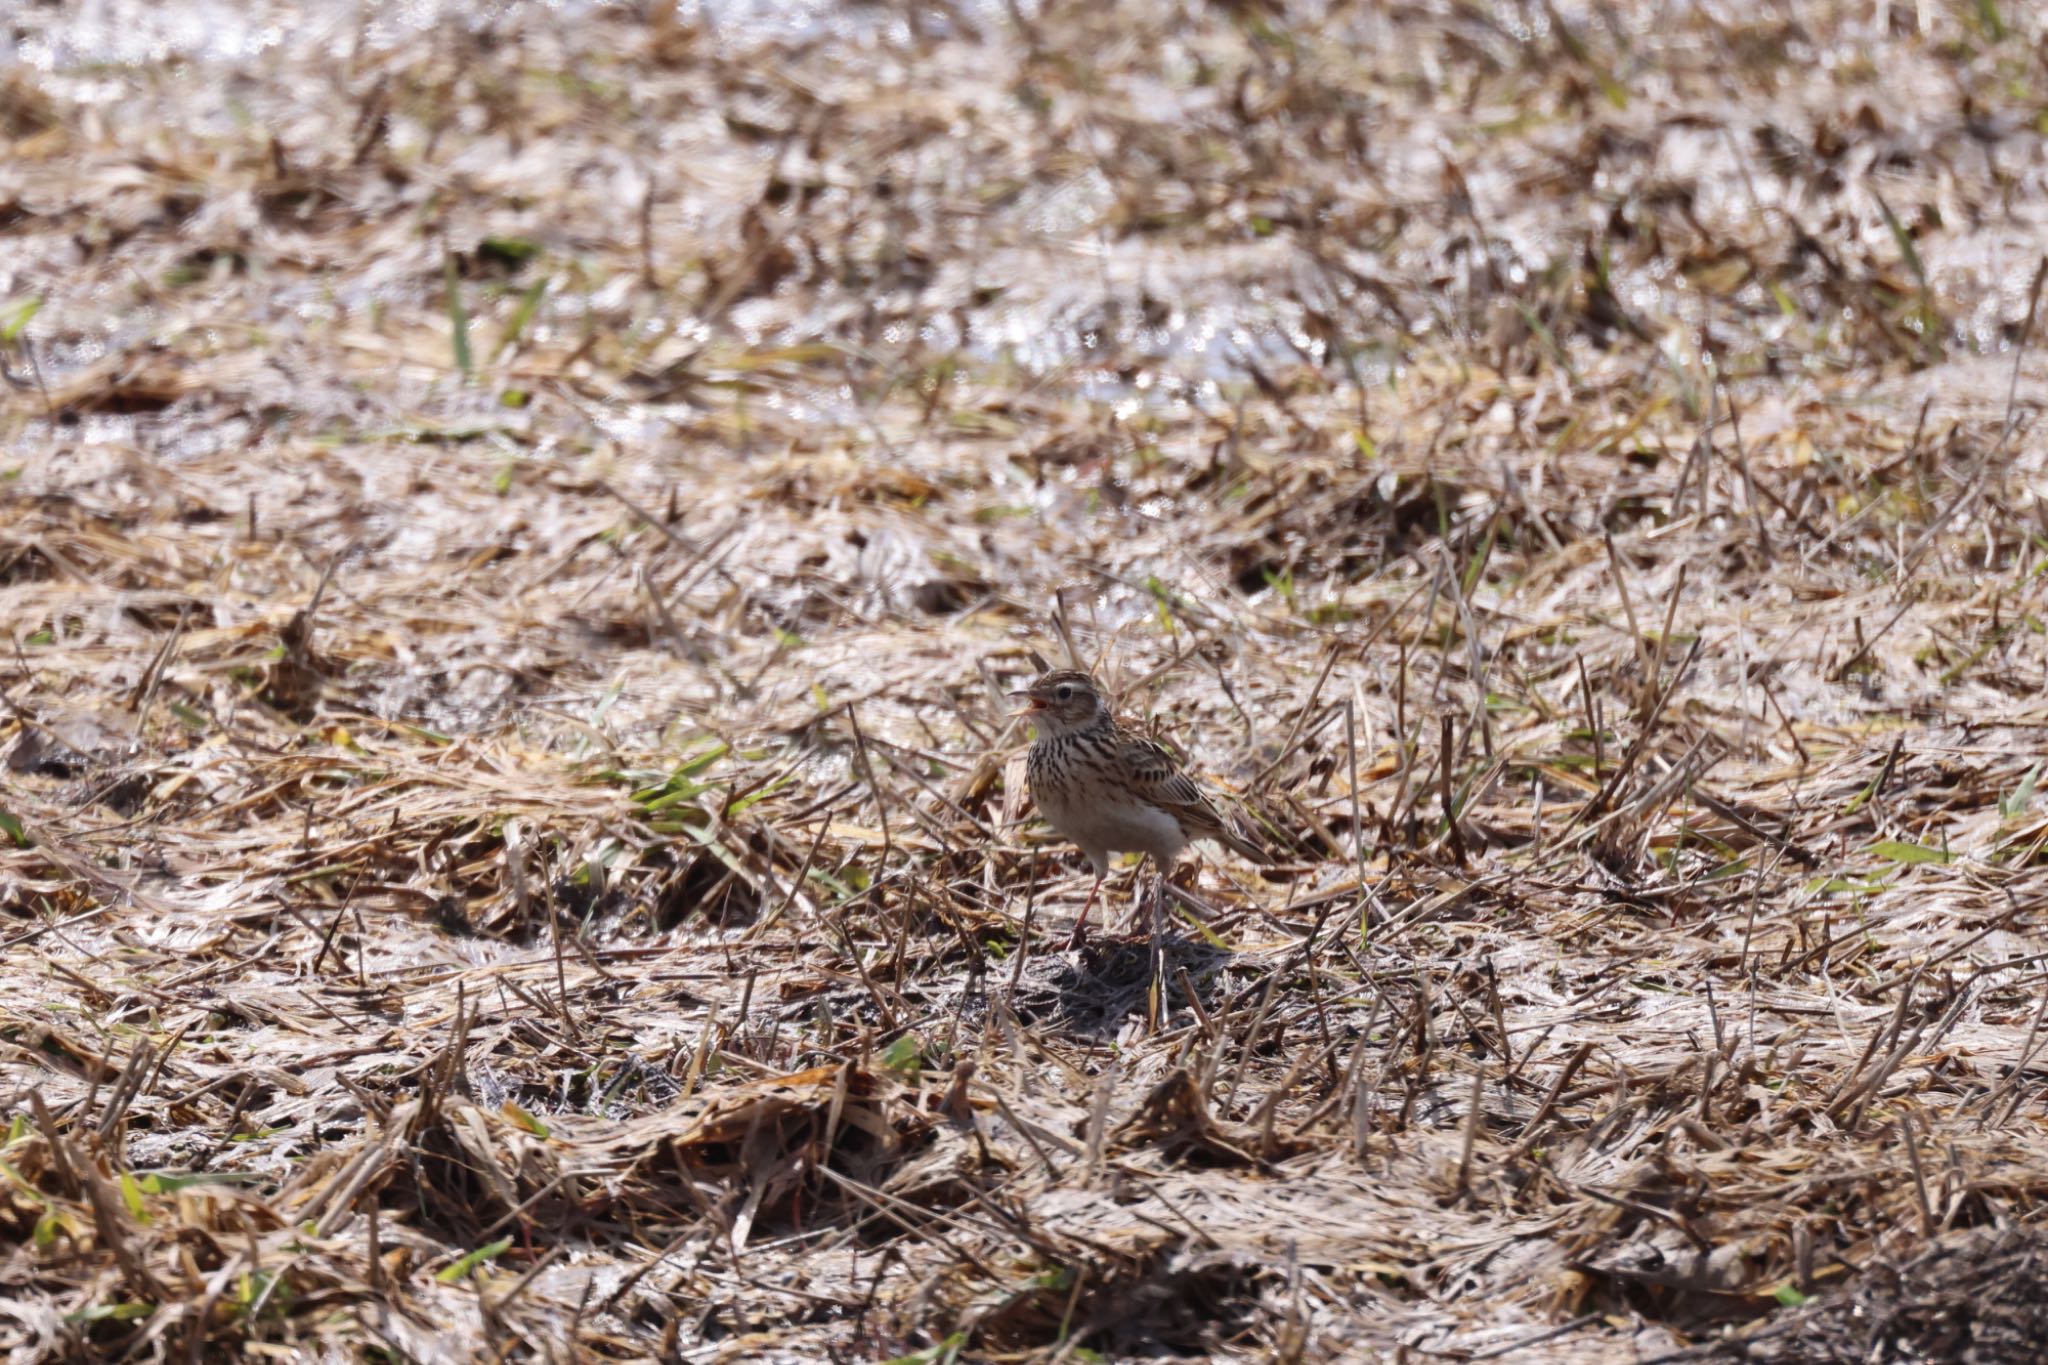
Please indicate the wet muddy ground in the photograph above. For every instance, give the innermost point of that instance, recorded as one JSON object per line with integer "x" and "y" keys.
{"x": 516, "y": 523}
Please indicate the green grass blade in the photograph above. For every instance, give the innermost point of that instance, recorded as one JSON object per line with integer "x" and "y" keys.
{"x": 460, "y": 1270}
{"x": 458, "y": 320}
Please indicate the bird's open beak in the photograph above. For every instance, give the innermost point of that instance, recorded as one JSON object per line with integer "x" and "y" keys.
{"x": 1031, "y": 704}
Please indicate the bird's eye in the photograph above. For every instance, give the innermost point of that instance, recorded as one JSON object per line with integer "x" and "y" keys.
{"x": 1065, "y": 693}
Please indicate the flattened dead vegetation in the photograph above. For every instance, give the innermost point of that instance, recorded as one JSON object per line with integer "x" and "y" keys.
{"x": 516, "y": 529}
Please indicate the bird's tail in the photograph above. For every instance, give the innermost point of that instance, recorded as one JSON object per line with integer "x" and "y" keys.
{"x": 1235, "y": 840}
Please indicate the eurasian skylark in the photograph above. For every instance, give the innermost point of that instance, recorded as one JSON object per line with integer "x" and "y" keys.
{"x": 1111, "y": 791}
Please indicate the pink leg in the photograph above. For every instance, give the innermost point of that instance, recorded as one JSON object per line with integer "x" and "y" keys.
{"x": 1080, "y": 934}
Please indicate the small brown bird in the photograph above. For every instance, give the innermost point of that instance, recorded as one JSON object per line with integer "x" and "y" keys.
{"x": 1109, "y": 790}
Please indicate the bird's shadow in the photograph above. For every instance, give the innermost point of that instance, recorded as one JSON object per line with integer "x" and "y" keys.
{"x": 1094, "y": 990}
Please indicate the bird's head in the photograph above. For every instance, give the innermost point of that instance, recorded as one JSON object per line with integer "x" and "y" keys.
{"x": 1062, "y": 701}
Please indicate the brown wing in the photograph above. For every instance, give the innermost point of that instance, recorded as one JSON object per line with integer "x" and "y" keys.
{"x": 1156, "y": 776}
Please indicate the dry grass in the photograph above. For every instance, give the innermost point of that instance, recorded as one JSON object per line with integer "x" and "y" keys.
{"x": 515, "y": 531}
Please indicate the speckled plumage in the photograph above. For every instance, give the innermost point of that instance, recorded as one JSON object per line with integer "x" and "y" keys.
{"x": 1111, "y": 791}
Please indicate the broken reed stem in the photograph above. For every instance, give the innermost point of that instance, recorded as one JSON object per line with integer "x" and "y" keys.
{"x": 1635, "y": 632}
{"x": 1351, "y": 763}
{"x": 1663, "y": 643}
{"x": 1464, "y": 1185}
{"x": 1443, "y": 773}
